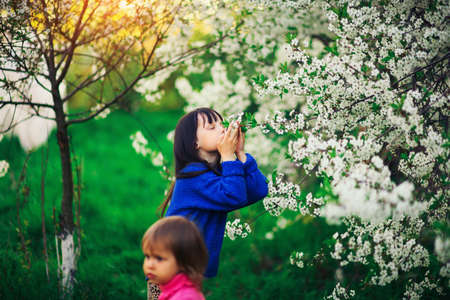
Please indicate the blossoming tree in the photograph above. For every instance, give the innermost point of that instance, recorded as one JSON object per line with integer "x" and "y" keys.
{"x": 359, "y": 94}
{"x": 372, "y": 125}
{"x": 122, "y": 42}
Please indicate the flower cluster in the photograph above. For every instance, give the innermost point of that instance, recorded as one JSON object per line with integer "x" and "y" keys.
{"x": 390, "y": 246}
{"x": 372, "y": 113}
{"x": 303, "y": 4}
{"x": 414, "y": 290}
{"x": 140, "y": 146}
{"x": 368, "y": 192}
{"x": 312, "y": 205}
{"x": 4, "y": 165}
{"x": 221, "y": 93}
{"x": 150, "y": 87}
{"x": 282, "y": 125}
{"x": 237, "y": 229}
{"x": 245, "y": 121}
{"x": 287, "y": 195}
{"x": 103, "y": 114}
{"x": 282, "y": 195}
{"x": 442, "y": 250}
{"x": 265, "y": 150}
{"x": 296, "y": 259}
{"x": 339, "y": 292}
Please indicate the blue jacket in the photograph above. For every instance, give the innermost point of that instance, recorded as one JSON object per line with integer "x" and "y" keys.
{"x": 207, "y": 198}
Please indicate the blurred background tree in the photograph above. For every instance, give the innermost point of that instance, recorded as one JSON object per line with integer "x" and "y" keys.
{"x": 118, "y": 42}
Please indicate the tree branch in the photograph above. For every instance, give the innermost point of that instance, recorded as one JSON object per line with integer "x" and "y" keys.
{"x": 422, "y": 68}
{"x": 2, "y": 103}
{"x": 71, "y": 49}
{"x": 92, "y": 79}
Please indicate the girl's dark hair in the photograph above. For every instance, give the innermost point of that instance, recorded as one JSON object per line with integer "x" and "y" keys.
{"x": 185, "y": 150}
{"x": 182, "y": 237}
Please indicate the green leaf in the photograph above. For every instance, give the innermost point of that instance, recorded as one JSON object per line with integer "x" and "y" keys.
{"x": 332, "y": 153}
{"x": 332, "y": 49}
{"x": 284, "y": 67}
{"x": 274, "y": 176}
{"x": 420, "y": 75}
{"x": 376, "y": 107}
{"x": 259, "y": 79}
{"x": 329, "y": 242}
{"x": 390, "y": 56}
{"x": 290, "y": 36}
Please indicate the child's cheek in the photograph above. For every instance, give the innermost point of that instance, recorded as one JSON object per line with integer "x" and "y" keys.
{"x": 144, "y": 265}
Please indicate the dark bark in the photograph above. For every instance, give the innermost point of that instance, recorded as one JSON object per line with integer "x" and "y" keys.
{"x": 66, "y": 217}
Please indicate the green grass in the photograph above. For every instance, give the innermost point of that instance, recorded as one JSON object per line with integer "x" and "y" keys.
{"x": 120, "y": 194}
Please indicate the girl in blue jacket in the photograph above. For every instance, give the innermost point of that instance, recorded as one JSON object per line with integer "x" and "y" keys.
{"x": 210, "y": 181}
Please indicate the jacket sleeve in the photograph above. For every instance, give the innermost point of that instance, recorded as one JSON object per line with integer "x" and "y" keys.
{"x": 256, "y": 182}
{"x": 221, "y": 193}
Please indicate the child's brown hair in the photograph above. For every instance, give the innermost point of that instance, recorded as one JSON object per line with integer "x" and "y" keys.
{"x": 182, "y": 237}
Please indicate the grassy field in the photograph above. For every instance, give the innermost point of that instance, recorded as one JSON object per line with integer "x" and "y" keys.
{"x": 120, "y": 195}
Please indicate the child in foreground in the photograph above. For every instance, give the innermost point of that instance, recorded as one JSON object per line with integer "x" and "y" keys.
{"x": 175, "y": 258}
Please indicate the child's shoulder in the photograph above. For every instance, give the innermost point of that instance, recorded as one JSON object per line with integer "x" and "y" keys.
{"x": 194, "y": 167}
{"x": 199, "y": 170}
{"x": 188, "y": 293}
{"x": 182, "y": 288}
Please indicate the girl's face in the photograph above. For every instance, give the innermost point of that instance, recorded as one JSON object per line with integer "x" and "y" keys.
{"x": 208, "y": 134}
{"x": 160, "y": 265}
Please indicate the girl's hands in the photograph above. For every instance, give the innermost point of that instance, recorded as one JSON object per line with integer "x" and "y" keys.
{"x": 227, "y": 144}
{"x": 240, "y": 153}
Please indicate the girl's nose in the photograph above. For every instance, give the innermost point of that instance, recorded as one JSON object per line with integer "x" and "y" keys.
{"x": 149, "y": 263}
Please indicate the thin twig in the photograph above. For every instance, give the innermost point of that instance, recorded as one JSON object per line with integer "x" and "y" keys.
{"x": 44, "y": 164}
{"x": 23, "y": 245}
{"x": 77, "y": 200}
{"x": 149, "y": 133}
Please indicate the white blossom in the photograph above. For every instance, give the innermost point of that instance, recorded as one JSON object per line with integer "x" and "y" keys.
{"x": 4, "y": 165}
{"x": 236, "y": 228}
{"x": 140, "y": 145}
{"x": 269, "y": 235}
{"x": 296, "y": 259}
{"x": 103, "y": 114}
{"x": 339, "y": 292}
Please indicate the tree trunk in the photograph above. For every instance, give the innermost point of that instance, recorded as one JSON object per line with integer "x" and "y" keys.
{"x": 68, "y": 266}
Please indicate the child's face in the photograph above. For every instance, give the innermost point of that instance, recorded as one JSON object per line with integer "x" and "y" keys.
{"x": 208, "y": 134}
{"x": 160, "y": 266}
